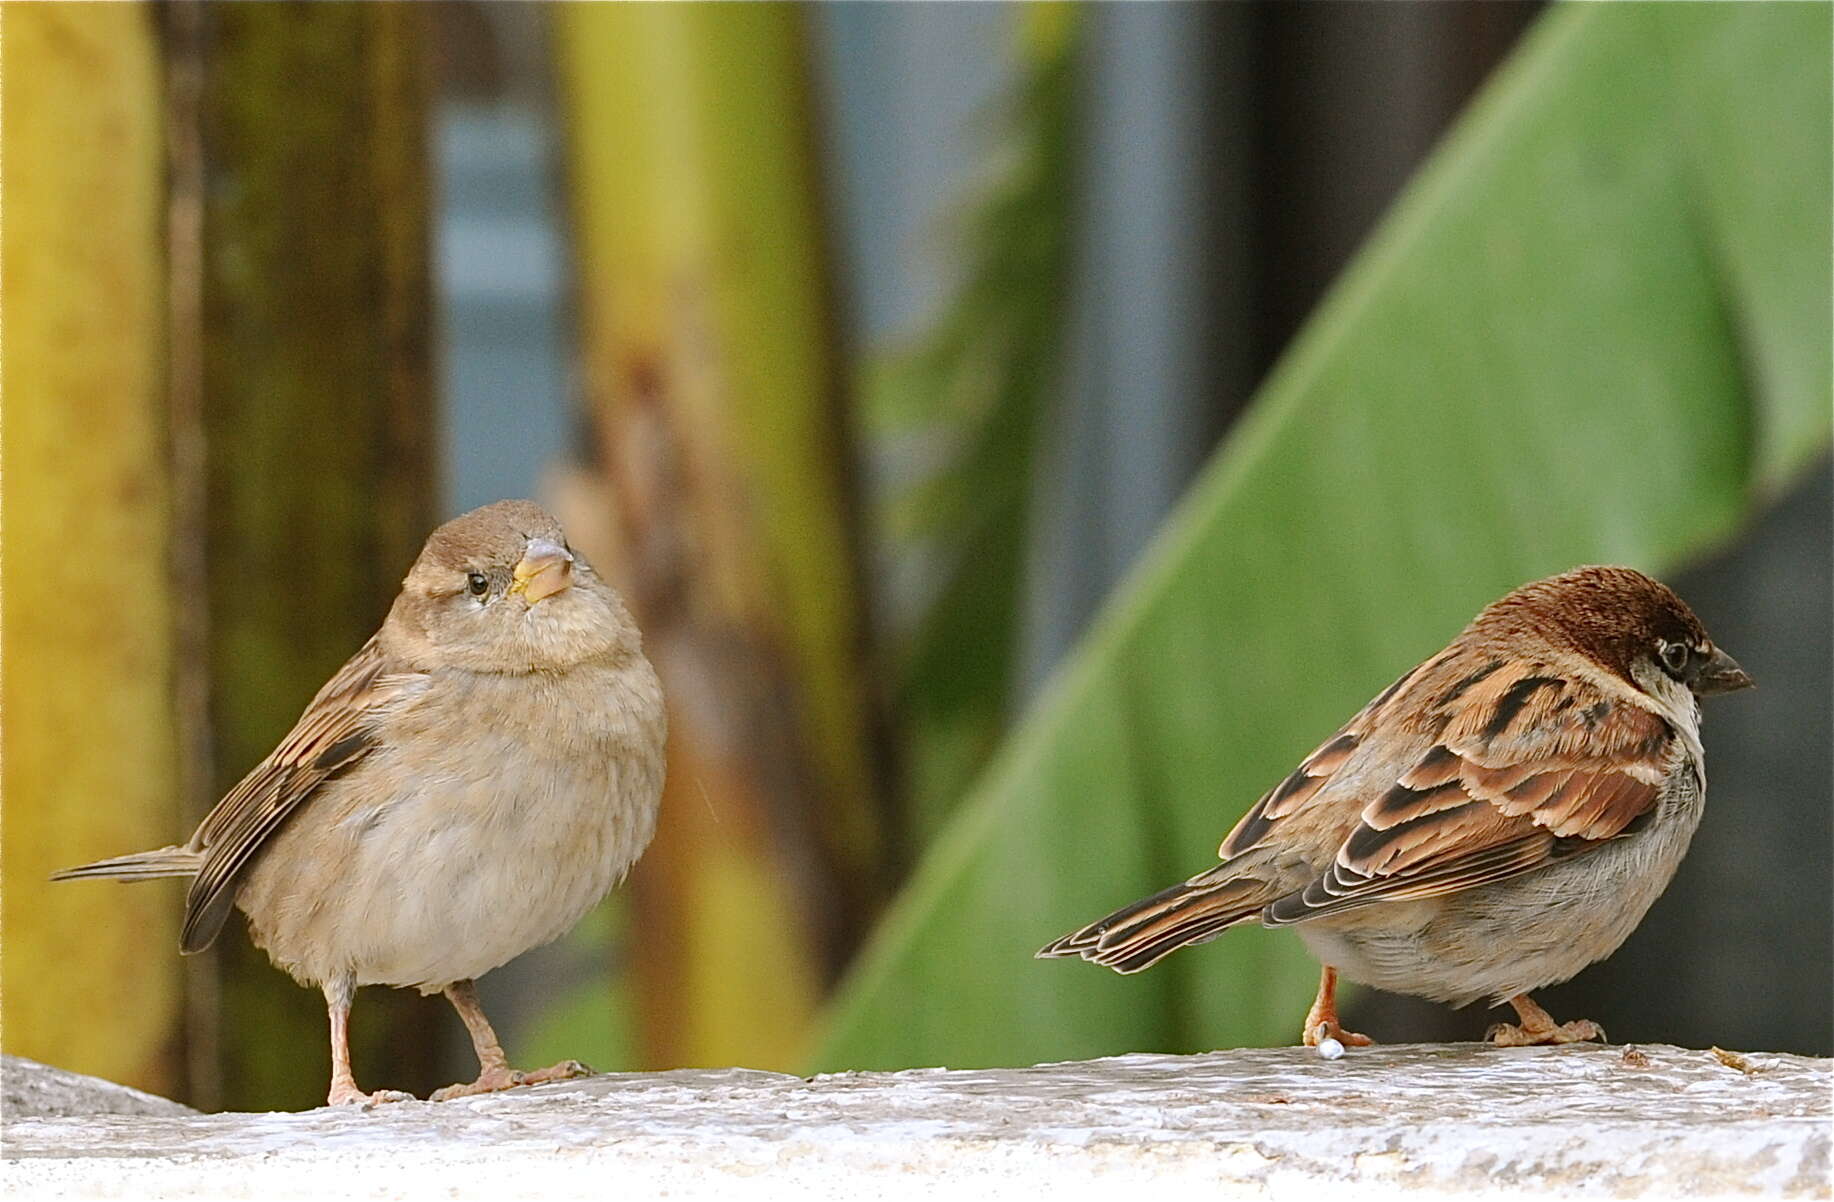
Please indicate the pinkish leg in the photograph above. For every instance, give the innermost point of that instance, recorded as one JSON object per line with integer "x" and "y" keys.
{"x": 344, "y": 1091}
{"x": 494, "y": 1072}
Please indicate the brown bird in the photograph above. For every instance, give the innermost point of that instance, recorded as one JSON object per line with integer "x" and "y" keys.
{"x": 1497, "y": 819}
{"x": 473, "y": 781}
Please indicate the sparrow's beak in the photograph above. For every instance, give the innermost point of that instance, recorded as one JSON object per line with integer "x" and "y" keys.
{"x": 1721, "y": 674}
{"x": 546, "y": 569}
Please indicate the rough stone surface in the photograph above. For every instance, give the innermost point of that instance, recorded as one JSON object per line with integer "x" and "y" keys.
{"x": 1386, "y": 1122}
{"x": 29, "y": 1089}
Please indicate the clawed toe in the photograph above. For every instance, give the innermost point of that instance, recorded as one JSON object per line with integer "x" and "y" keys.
{"x": 566, "y": 1070}
{"x": 1538, "y": 1027}
{"x": 1321, "y": 1021}
{"x": 1509, "y": 1035}
{"x": 495, "y": 1080}
{"x": 1319, "y": 1032}
{"x": 356, "y": 1097}
{"x": 489, "y": 1081}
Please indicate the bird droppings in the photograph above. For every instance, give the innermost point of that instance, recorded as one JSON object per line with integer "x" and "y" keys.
{"x": 1389, "y": 1124}
{"x": 1330, "y": 1049}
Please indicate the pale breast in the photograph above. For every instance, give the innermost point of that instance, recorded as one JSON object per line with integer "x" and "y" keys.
{"x": 441, "y": 856}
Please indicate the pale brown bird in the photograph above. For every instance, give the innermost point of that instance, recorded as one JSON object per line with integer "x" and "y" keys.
{"x": 465, "y": 788}
{"x": 1497, "y": 819}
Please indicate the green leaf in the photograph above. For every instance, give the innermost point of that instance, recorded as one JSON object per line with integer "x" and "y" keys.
{"x": 1593, "y": 329}
{"x": 973, "y": 395}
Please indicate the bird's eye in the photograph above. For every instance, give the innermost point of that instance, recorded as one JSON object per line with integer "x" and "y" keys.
{"x": 1674, "y": 657}
{"x": 478, "y": 583}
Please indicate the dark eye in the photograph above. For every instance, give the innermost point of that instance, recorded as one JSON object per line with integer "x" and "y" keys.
{"x": 478, "y": 583}
{"x": 1674, "y": 658}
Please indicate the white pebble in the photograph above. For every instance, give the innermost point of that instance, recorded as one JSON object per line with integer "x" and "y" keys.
{"x": 1329, "y": 1049}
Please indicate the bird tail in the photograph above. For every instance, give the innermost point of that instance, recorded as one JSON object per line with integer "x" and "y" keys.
{"x": 141, "y": 866}
{"x": 1140, "y": 935}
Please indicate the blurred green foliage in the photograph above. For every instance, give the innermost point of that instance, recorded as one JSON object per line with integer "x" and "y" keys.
{"x": 590, "y": 1019}
{"x": 972, "y": 396}
{"x": 1592, "y": 329}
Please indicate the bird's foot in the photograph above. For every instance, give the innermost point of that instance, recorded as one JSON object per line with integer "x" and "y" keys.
{"x": 1509, "y": 1035}
{"x": 1316, "y": 1033}
{"x": 347, "y": 1094}
{"x": 1321, "y": 1028}
{"x": 493, "y": 1080}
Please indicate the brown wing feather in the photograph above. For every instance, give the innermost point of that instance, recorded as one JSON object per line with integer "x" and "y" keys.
{"x": 1139, "y": 935}
{"x": 1292, "y": 793}
{"x": 1315, "y": 771}
{"x": 1528, "y": 768}
{"x": 1469, "y": 769}
{"x": 335, "y": 732}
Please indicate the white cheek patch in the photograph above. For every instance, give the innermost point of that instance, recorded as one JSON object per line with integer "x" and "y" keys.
{"x": 1671, "y": 699}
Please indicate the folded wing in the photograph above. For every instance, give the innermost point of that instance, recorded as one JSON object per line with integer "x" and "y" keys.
{"x": 336, "y": 731}
{"x": 1524, "y": 769}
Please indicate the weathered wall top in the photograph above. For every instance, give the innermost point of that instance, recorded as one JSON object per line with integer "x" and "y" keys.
{"x": 1579, "y": 1121}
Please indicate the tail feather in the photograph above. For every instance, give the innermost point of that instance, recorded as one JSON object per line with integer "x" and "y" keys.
{"x": 1138, "y": 936}
{"x": 140, "y": 866}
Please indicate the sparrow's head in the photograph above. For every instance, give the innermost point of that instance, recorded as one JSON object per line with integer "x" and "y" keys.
{"x": 1623, "y": 621}
{"x": 499, "y": 590}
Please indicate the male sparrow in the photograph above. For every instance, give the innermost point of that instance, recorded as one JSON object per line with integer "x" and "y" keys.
{"x": 473, "y": 781}
{"x": 1494, "y": 821}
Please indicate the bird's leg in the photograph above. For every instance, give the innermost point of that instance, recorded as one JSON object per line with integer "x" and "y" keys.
{"x": 494, "y": 1072}
{"x": 344, "y": 1091}
{"x": 1321, "y": 1019}
{"x": 1538, "y": 1027}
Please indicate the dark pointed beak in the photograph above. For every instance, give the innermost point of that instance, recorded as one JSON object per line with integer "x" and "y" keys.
{"x": 1721, "y": 674}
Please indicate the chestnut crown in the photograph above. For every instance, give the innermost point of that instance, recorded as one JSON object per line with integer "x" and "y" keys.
{"x": 1620, "y": 619}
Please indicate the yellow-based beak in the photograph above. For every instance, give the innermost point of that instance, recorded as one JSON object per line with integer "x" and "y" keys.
{"x": 546, "y": 569}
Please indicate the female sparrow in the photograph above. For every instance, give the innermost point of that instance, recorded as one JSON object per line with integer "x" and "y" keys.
{"x": 1494, "y": 821}
{"x": 473, "y": 781}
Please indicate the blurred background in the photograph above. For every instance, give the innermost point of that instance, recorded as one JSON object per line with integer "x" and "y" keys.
{"x": 1021, "y": 430}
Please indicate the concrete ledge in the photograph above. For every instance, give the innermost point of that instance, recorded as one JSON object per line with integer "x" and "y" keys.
{"x": 32, "y": 1090}
{"x": 1573, "y": 1122}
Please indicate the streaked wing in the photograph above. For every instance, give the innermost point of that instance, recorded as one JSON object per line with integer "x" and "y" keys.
{"x": 1525, "y": 768}
{"x": 1507, "y": 766}
{"x": 1317, "y": 769}
{"x": 337, "y": 729}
